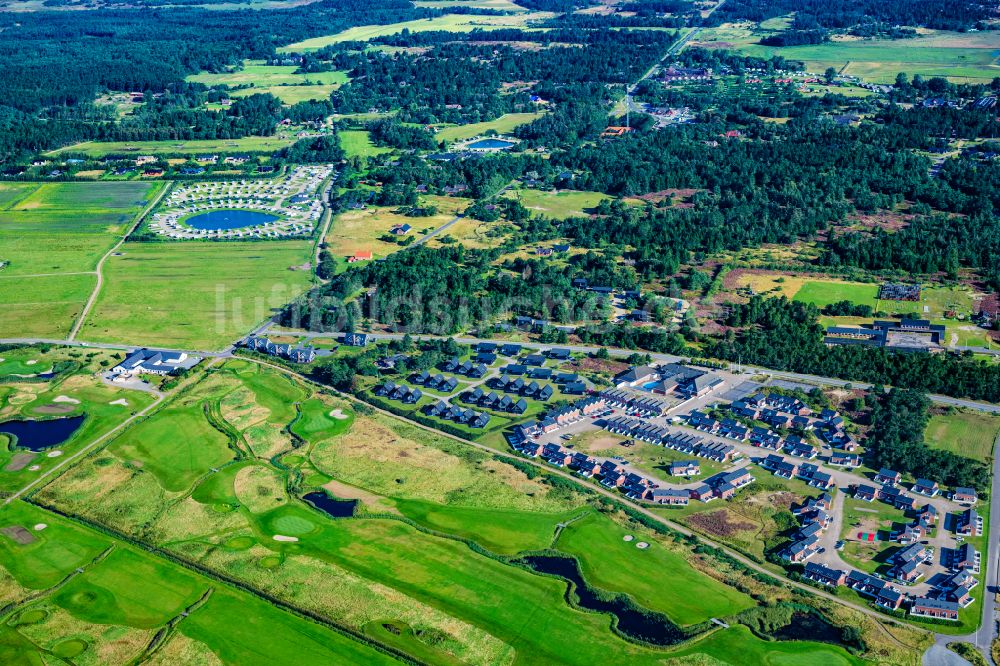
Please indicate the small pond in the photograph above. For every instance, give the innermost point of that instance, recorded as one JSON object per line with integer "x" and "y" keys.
{"x": 491, "y": 144}
{"x": 809, "y": 627}
{"x": 41, "y": 435}
{"x": 215, "y": 220}
{"x": 331, "y": 506}
{"x": 640, "y": 624}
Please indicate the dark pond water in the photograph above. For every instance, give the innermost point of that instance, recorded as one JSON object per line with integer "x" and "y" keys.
{"x": 331, "y": 506}
{"x": 809, "y": 627}
{"x": 229, "y": 219}
{"x": 642, "y": 625}
{"x": 491, "y": 144}
{"x": 41, "y": 435}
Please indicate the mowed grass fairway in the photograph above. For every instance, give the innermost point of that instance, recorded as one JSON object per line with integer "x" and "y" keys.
{"x": 52, "y": 236}
{"x": 194, "y": 295}
{"x": 502, "y": 531}
{"x": 177, "y": 445}
{"x": 448, "y": 22}
{"x": 656, "y": 578}
{"x": 968, "y": 434}
{"x": 123, "y": 596}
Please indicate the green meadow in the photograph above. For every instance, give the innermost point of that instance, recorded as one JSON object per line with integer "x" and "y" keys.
{"x": 969, "y": 434}
{"x": 197, "y": 294}
{"x": 259, "y": 75}
{"x": 357, "y": 143}
{"x": 447, "y": 22}
{"x": 254, "y": 78}
{"x": 558, "y": 205}
{"x": 52, "y": 236}
{"x": 290, "y": 94}
{"x": 823, "y": 293}
{"x": 502, "y": 125}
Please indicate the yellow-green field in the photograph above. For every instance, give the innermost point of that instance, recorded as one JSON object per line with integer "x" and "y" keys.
{"x": 501, "y": 125}
{"x": 357, "y": 143}
{"x": 559, "y": 204}
{"x": 473, "y": 233}
{"x": 500, "y": 5}
{"x": 191, "y": 147}
{"x": 256, "y": 74}
{"x": 290, "y": 94}
{"x": 51, "y": 237}
{"x": 969, "y": 434}
{"x": 449, "y": 22}
{"x": 962, "y": 57}
{"x": 359, "y": 230}
{"x": 195, "y": 295}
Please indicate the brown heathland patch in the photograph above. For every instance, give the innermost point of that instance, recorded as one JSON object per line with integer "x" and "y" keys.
{"x": 19, "y": 534}
{"x": 720, "y": 523}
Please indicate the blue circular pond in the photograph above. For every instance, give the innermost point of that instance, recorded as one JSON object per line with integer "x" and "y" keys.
{"x": 229, "y": 219}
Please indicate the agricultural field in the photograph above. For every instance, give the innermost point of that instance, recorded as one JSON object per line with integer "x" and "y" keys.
{"x": 398, "y": 572}
{"x": 251, "y": 144}
{"x": 502, "y": 125}
{"x": 961, "y": 57}
{"x": 52, "y": 237}
{"x": 448, "y": 22}
{"x": 969, "y": 434}
{"x": 196, "y": 294}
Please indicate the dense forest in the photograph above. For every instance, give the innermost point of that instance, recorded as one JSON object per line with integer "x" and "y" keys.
{"x": 60, "y": 60}
{"x": 460, "y": 80}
